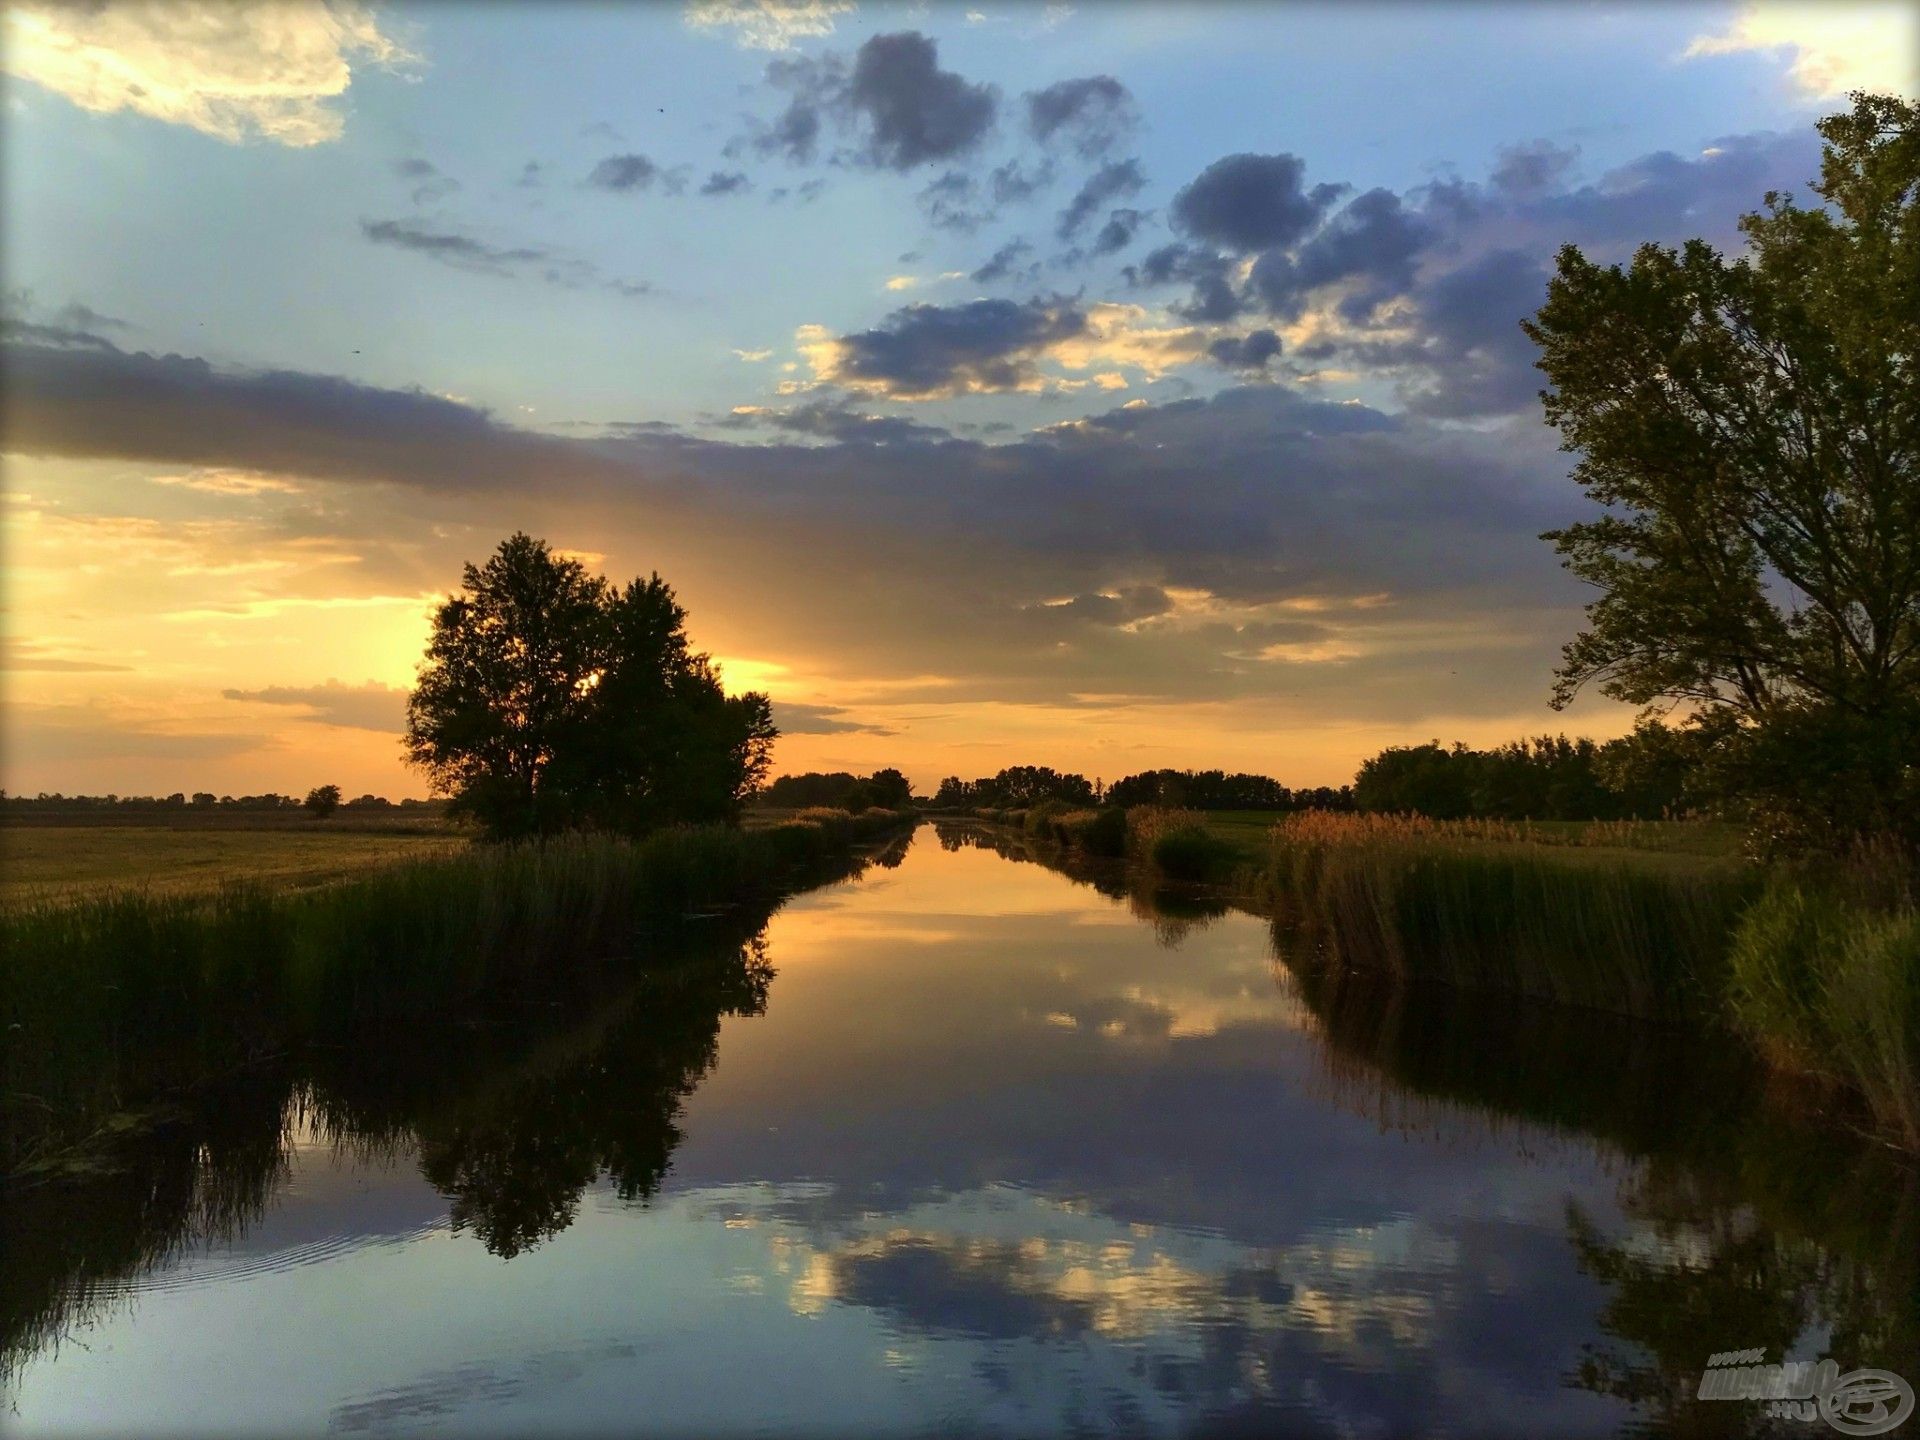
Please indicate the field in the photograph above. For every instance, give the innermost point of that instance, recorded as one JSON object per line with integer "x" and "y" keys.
{"x": 72, "y": 860}
{"x": 1685, "y": 841}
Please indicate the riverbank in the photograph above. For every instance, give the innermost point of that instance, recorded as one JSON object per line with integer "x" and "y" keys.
{"x": 117, "y": 1004}
{"x": 1819, "y": 972}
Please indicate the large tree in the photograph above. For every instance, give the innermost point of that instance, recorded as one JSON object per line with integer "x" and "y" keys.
{"x": 551, "y": 700}
{"x": 1751, "y": 428}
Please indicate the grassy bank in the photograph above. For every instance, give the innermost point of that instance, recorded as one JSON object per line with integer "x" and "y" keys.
{"x": 1819, "y": 971}
{"x": 119, "y": 1001}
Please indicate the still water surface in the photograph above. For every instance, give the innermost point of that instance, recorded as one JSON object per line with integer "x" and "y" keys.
{"x": 966, "y": 1146}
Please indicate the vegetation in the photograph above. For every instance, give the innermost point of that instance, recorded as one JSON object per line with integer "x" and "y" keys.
{"x": 1217, "y": 790}
{"x": 123, "y": 1001}
{"x": 1016, "y": 787}
{"x": 322, "y": 801}
{"x": 1752, "y": 429}
{"x": 50, "y": 863}
{"x": 886, "y": 789}
{"x": 1825, "y": 978}
{"x": 1473, "y": 907}
{"x": 552, "y": 701}
{"x": 1641, "y": 776}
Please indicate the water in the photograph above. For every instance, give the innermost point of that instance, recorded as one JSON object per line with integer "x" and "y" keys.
{"x": 967, "y": 1146}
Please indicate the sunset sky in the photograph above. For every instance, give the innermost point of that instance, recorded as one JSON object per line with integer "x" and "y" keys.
{"x": 1103, "y": 386}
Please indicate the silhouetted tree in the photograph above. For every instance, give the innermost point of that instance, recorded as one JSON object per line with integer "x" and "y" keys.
{"x": 323, "y": 800}
{"x": 1752, "y": 428}
{"x": 551, "y": 700}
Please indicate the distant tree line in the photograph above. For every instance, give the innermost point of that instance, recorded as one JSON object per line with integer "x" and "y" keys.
{"x": 1642, "y": 776}
{"x": 204, "y": 800}
{"x": 1218, "y": 790}
{"x": 885, "y": 789}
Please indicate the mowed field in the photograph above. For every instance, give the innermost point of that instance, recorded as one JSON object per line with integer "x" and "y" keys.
{"x": 66, "y": 859}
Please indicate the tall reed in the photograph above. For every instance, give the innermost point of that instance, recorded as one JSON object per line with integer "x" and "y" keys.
{"x": 1473, "y": 904}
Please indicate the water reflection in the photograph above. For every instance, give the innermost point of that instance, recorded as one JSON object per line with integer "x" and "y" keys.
{"x": 988, "y": 1155}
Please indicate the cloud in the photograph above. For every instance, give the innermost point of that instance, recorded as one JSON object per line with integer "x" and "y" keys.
{"x": 1004, "y": 264}
{"x": 465, "y": 252}
{"x": 951, "y": 201}
{"x": 624, "y": 172}
{"x": 726, "y": 182}
{"x": 923, "y": 351}
{"x": 1122, "y": 225}
{"x": 17, "y": 653}
{"x": 836, "y": 420}
{"x": 1092, "y": 114}
{"x": 427, "y": 180}
{"x": 904, "y": 110}
{"x": 356, "y": 707}
{"x": 1425, "y": 290}
{"x": 916, "y": 112}
{"x": 1834, "y": 48}
{"x": 1245, "y": 352}
{"x": 450, "y": 247}
{"x": 236, "y": 72}
{"x": 1532, "y": 168}
{"x": 767, "y": 24}
{"x": 1245, "y": 203}
{"x": 795, "y": 718}
{"x": 1244, "y": 509}
{"x": 1113, "y": 181}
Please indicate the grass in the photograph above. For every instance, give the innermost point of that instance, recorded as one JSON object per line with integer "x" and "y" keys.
{"x": 65, "y": 862}
{"x": 115, "y": 1001}
{"x": 1480, "y": 906}
{"x": 1824, "y": 977}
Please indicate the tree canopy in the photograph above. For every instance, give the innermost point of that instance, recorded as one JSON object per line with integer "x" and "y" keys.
{"x": 552, "y": 700}
{"x": 1751, "y": 428}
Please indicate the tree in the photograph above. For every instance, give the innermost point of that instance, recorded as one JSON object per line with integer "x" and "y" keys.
{"x": 1752, "y": 429}
{"x": 551, "y": 700}
{"x": 323, "y": 800}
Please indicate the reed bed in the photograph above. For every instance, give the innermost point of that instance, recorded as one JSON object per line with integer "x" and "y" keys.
{"x": 114, "y": 1003}
{"x": 1475, "y": 904}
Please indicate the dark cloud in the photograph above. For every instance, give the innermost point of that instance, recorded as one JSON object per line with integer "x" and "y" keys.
{"x": 951, "y": 201}
{"x": 838, "y": 421}
{"x": 795, "y": 718}
{"x": 1215, "y": 300}
{"x": 1371, "y": 244}
{"x": 1532, "y": 168}
{"x": 624, "y": 172}
{"x": 1115, "y": 180}
{"x": 450, "y": 247}
{"x": 425, "y": 179}
{"x": 1122, "y": 225}
{"x": 982, "y": 345}
{"x": 1253, "y": 496}
{"x": 1246, "y": 352}
{"x": 357, "y": 707}
{"x": 915, "y": 111}
{"x": 904, "y": 110}
{"x": 1092, "y": 114}
{"x": 1013, "y": 182}
{"x": 1005, "y": 264}
{"x": 1123, "y": 607}
{"x": 465, "y": 252}
{"x": 726, "y": 182}
{"x": 75, "y": 316}
{"x": 1247, "y": 203}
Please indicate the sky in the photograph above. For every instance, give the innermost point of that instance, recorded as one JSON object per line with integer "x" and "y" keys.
{"x": 1108, "y": 387}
